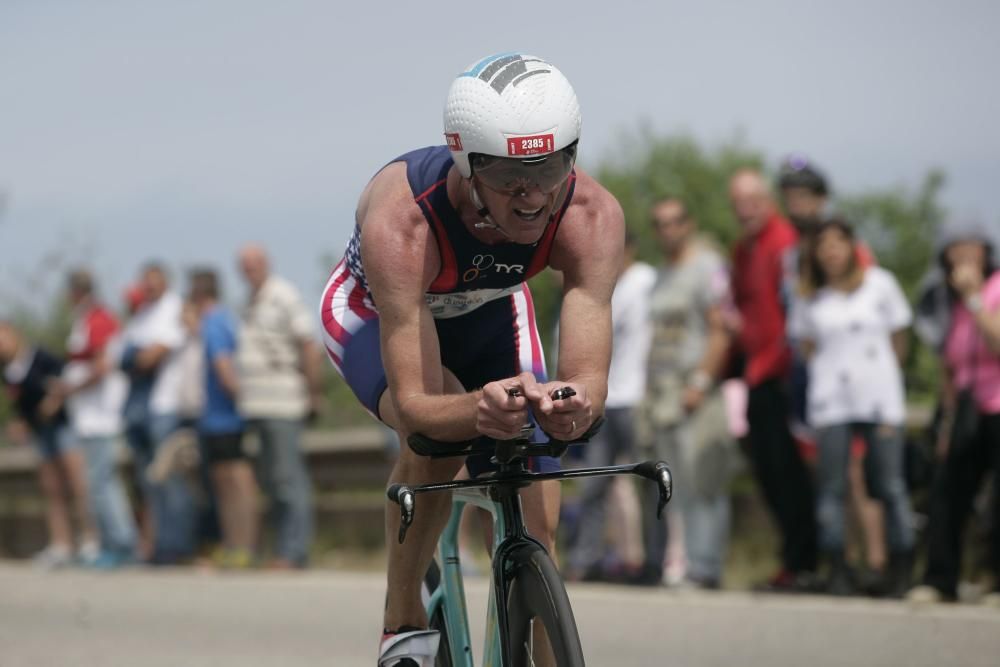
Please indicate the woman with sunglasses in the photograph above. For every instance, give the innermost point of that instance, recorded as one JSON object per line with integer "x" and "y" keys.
{"x": 851, "y": 324}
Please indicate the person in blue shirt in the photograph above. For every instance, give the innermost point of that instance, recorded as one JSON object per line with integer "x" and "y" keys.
{"x": 220, "y": 427}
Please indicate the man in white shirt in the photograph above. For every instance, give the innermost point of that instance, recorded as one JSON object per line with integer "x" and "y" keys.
{"x": 626, "y": 388}
{"x": 280, "y": 387}
{"x": 150, "y": 343}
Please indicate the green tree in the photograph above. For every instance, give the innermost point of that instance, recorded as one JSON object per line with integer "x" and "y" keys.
{"x": 648, "y": 167}
{"x": 899, "y": 225}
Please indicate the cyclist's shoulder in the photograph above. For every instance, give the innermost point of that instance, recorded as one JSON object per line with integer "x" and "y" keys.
{"x": 593, "y": 227}
{"x": 591, "y": 200}
{"x": 388, "y": 200}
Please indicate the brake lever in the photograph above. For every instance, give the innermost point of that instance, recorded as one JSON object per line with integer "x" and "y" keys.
{"x": 405, "y": 498}
{"x": 658, "y": 472}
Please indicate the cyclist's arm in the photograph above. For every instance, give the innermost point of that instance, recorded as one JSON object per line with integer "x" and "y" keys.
{"x": 401, "y": 260}
{"x": 589, "y": 251}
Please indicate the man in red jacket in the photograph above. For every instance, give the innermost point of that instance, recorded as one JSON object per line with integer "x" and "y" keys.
{"x": 758, "y": 276}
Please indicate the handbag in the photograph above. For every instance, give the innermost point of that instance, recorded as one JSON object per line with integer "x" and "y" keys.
{"x": 965, "y": 422}
{"x": 965, "y": 418}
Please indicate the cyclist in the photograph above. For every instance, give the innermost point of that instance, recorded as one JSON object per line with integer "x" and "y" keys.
{"x": 428, "y": 317}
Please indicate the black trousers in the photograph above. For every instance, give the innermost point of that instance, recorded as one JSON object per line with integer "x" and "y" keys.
{"x": 956, "y": 483}
{"x": 783, "y": 477}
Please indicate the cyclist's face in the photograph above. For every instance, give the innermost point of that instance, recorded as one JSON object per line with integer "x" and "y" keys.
{"x": 521, "y": 197}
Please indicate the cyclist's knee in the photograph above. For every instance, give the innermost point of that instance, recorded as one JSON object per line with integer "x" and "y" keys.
{"x": 412, "y": 468}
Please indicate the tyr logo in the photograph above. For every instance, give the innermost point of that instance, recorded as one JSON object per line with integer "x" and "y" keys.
{"x": 482, "y": 263}
{"x": 507, "y": 268}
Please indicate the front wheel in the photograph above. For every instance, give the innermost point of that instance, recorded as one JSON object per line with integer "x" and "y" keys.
{"x": 542, "y": 627}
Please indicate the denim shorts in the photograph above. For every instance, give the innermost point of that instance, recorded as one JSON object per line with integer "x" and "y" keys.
{"x": 54, "y": 441}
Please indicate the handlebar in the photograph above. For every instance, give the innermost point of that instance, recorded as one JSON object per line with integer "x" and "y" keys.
{"x": 504, "y": 450}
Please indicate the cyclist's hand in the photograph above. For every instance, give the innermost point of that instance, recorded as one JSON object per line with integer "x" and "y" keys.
{"x": 564, "y": 419}
{"x": 498, "y": 414}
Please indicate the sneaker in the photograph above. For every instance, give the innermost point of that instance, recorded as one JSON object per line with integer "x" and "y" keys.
{"x": 925, "y": 594}
{"x": 233, "y": 559}
{"x": 52, "y": 557}
{"x": 408, "y": 648}
{"x": 691, "y": 583}
{"x": 112, "y": 560}
{"x": 88, "y": 552}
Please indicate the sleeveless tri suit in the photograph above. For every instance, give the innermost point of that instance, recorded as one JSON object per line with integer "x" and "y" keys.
{"x": 482, "y": 308}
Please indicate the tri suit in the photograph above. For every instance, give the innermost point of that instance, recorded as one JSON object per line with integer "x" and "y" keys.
{"x": 482, "y": 308}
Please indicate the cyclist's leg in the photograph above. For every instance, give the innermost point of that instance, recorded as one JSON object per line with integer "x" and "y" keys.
{"x": 408, "y": 562}
{"x": 541, "y": 513}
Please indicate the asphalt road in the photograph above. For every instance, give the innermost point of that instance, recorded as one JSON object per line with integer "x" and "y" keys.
{"x": 194, "y": 619}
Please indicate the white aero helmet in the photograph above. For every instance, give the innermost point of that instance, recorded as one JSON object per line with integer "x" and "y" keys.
{"x": 510, "y": 105}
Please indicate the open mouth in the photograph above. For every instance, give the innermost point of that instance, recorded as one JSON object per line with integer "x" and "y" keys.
{"x": 528, "y": 215}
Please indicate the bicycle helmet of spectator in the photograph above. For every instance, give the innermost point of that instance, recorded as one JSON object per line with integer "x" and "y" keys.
{"x": 513, "y": 121}
{"x": 797, "y": 172}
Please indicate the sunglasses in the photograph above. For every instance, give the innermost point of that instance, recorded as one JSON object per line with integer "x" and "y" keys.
{"x": 514, "y": 176}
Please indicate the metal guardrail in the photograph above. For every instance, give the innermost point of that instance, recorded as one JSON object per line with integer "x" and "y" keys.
{"x": 343, "y": 464}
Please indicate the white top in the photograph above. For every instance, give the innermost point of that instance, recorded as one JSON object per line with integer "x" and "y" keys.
{"x": 159, "y": 323}
{"x": 97, "y": 410}
{"x": 273, "y": 326}
{"x": 854, "y": 375}
{"x": 630, "y": 321}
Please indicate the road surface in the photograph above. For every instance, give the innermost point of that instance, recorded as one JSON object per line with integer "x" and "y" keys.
{"x": 191, "y": 618}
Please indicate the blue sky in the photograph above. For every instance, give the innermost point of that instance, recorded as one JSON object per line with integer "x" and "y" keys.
{"x": 181, "y": 130}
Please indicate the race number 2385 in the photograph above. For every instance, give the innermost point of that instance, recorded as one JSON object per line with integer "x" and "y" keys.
{"x": 534, "y": 145}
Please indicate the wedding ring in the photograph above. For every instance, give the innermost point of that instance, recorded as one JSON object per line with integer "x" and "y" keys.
{"x": 573, "y": 422}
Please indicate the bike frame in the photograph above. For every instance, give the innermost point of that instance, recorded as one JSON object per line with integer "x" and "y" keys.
{"x": 452, "y": 587}
{"x": 500, "y": 497}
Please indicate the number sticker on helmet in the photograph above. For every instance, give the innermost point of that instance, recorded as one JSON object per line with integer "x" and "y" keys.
{"x": 538, "y": 144}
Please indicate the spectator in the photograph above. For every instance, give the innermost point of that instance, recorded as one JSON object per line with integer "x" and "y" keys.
{"x": 963, "y": 316}
{"x": 29, "y": 374}
{"x": 281, "y": 374}
{"x": 686, "y": 409}
{"x": 805, "y": 193}
{"x": 181, "y": 450}
{"x": 757, "y": 291}
{"x": 149, "y": 357}
{"x": 626, "y": 386}
{"x": 850, "y": 323}
{"x": 220, "y": 428}
{"x": 95, "y": 392}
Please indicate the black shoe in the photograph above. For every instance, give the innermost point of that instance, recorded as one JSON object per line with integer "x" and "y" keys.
{"x": 872, "y": 582}
{"x": 900, "y": 574}
{"x": 647, "y": 575}
{"x": 841, "y": 580}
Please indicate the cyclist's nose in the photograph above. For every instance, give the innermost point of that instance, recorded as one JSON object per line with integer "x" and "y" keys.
{"x": 529, "y": 197}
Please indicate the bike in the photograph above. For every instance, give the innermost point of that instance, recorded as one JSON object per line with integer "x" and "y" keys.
{"x": 526, "y": 588}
